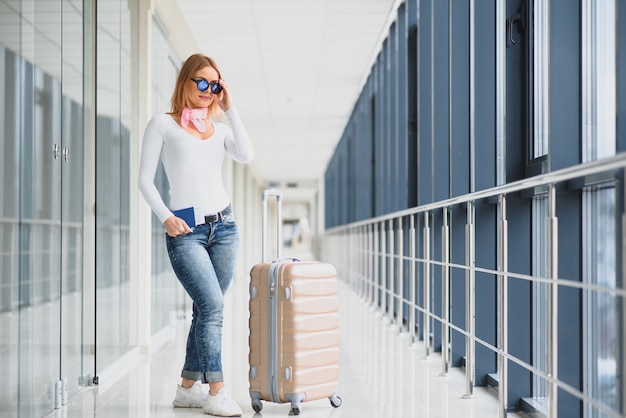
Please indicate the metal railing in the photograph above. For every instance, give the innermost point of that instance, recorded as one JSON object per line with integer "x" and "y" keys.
{"x": 370, "y": 256}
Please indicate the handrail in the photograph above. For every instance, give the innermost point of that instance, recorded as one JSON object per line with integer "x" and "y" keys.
{"x": 558, "y": 176}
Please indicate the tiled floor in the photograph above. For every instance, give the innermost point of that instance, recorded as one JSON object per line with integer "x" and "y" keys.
{"x": 382, "y": 376}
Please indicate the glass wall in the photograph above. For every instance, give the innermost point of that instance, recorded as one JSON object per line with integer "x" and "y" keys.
{"x": 113, "y": 110}
{"x": 69, "y": 308}
{"x": 76, "y": 358}
{"x": 9, "y": 226}
{"x": 167, "y": 297}
{"x": 41, "y": 215}
{"x": 601, "y": 308}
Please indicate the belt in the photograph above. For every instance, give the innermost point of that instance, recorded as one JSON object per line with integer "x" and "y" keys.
{"x": 219, "y": 215}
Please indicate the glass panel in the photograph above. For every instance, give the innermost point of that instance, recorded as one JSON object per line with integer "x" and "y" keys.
{"x": 601, "y": 307}
{"x": 165, "y": 288}
{"x": 9, "y": 226}
{"x": 539, "y": 74}
{"x": 89, "y": 187}
{"x": 72, "y": 202}
{"x": 605, "y": 78}
{"x": 112, "y": 178}
{"x": 40, "y": 206}
{"x": 598, "y": 79}
{"x": 598, "y": 113}
{"x": 126, "y": 114}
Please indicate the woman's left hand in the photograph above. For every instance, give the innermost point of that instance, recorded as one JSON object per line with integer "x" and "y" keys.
{"x": 224, "y": 96}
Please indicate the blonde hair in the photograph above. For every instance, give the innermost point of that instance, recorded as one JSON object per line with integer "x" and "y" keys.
{"x": 180, "y": 97}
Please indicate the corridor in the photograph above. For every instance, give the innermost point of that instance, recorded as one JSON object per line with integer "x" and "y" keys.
{"x": 382, "y": 375}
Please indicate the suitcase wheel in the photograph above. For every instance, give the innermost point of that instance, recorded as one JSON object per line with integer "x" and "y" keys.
{"x": 257, "y": 405}
{"x": 335, "y": 401}
{"x": 295, "y": 409}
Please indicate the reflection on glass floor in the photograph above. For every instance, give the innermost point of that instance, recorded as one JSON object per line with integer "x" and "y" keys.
{"x": 381, "y": 375}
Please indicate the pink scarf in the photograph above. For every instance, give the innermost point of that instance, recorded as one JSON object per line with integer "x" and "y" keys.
{"x": 195, "y": 116}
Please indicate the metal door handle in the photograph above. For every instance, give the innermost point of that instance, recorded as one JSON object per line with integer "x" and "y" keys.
{"x": 511, "y": 21}
{"x": 66, "y": 154}
{"x": 55, "y": 151}
{"x": 519, "y": 18}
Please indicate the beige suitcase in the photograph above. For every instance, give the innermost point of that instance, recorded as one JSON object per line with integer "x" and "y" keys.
{"x": 294, "y": 329}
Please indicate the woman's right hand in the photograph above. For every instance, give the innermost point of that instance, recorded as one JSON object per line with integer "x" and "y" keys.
{"x": 175, "y": 226}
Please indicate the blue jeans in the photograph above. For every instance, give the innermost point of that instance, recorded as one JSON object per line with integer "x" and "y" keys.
{"x": 204, "y": 262}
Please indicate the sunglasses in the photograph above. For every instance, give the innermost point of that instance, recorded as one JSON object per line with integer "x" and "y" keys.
{"x": 214, "y": 86}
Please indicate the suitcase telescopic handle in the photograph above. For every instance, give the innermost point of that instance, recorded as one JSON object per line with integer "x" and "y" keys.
{"x": 267, "y": 193}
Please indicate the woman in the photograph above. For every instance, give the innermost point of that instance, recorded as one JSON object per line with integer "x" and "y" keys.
{"x": 202, "y": 237}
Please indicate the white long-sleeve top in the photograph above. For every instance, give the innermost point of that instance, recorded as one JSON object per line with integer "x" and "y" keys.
{"x": 193, "y": 165}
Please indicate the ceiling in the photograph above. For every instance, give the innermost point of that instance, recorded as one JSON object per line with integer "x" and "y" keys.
{"x": 295, "y": 69}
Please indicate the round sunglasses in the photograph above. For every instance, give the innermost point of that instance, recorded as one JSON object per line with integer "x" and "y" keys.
{"x": 203, "y": 85}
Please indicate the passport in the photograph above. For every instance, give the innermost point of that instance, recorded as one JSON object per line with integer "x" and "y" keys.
{"x": 186, "y": 214}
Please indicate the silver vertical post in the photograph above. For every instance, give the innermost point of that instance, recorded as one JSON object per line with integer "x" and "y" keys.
{"x": 500, "y": 31}
{"x": 363, "y": 260}
{"x": 445, "y": 293}
{"x": 472, "y": 94}
{"x": 623, "y": 273}
{"x": 341, "y": 255}
{"x": 400, "y": 258}
{"x": 470, "y": 242}
{"x": 383, "y": 269}
{"x": 376, "y": 257}
{"x": 358, "y": 262}
{"x": 503, "y": 259}
{"x": 501, "y": 35}
{"x": 352, "y": 256}
{"x": 266, "y": 194}
{"x": 370, "y": 265}
{"x": 391, "y": 273}
{"x": 352, "y": 242}
{"x": 426, "y": 295}
{"x": 412, "y": 278}
{"x": 470, "y": 303}
{"x": 553, "y": 270}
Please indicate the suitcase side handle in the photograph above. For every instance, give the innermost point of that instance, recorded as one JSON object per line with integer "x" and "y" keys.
{"x": 267, "y": 193}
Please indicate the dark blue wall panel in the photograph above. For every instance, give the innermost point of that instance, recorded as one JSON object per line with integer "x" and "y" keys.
{"x": 564, "y": 84}
{"x": 486, "y": 240}
{"x": 424, "y": 147}
{"x": 458, "y": 218}
{"x": 621, "y": 76}
{"x": 485, "y": 88}
{"x": 519, "y": 295}
{"x": 441, "y": 91}
{"x": 570, "y": 301}
{"x": 460, "y": 135}
{"x": 459, "y": 157}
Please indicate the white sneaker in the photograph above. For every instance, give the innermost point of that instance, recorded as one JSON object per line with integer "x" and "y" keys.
{"x": 194, "y": 397}
{"x": 221, "y": 405}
